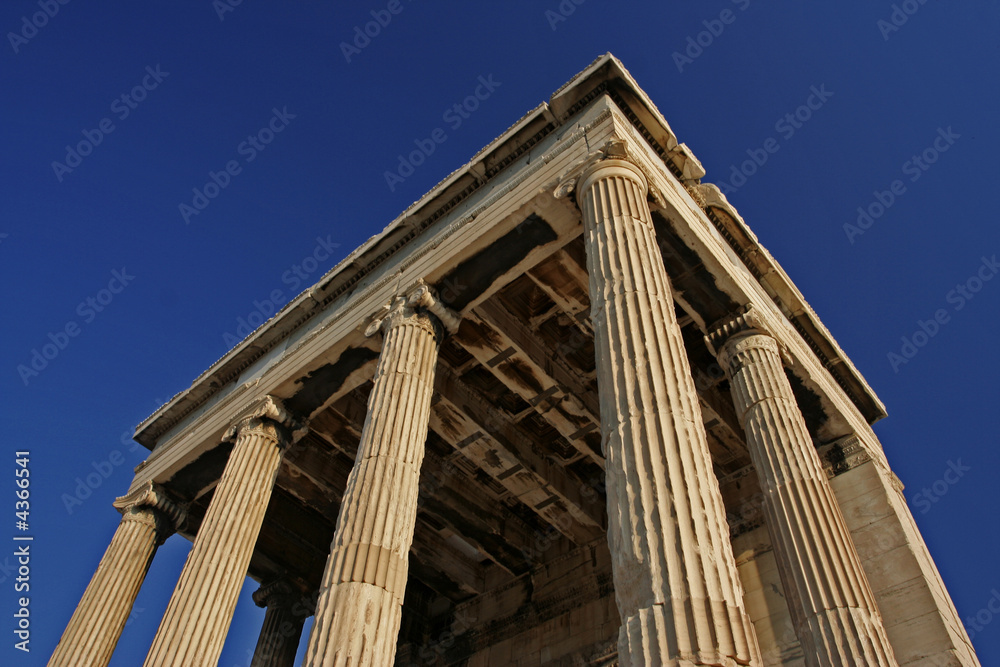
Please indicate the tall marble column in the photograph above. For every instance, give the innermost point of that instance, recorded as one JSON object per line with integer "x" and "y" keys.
{"x": 829, "y": 598}
{"x": 279, "y": 637}
{"x": 676, "y": 584}
{"x": 148, "y": 518}
{"x": 197, "y": 618}
{"x": 361, "y": 596}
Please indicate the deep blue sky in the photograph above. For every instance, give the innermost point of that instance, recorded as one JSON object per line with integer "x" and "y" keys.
{"x": 323, "y": 176}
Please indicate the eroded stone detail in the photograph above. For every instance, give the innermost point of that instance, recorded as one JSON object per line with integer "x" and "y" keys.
{"x": 676, "y": 584}
{"x": 360, "y": 601}
{"x": 415, "y": 306}
{"x": 843, "y": 455}
{"x": 831, "y": 603}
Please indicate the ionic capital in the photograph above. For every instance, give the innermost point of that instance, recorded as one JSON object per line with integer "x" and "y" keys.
{"x": 420, "y": 306}
{"x": 266, "y": 416}
{"x": 150, "y": 504}
{"x": 277, "y": 593}
{"x": 731, "y": 334}
{"x": 612, "y": 156}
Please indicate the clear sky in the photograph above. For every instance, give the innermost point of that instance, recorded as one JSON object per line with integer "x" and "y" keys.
{"x": 135, "y": 296}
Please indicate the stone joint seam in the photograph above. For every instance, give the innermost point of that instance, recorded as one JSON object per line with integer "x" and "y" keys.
{"x": 390, "y": 573}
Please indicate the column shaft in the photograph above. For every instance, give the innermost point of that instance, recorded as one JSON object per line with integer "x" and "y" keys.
{"x": 197, "y": 618}
{"x": 831, "y": 603}
{"x": 678, "y": 592}
{"x": 279, "y": 637}
{"x": 360, "y": 600}
{"x": 93, "y": 631}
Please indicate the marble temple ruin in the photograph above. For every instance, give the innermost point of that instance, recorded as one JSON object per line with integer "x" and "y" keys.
{"x": 564, "y": 410}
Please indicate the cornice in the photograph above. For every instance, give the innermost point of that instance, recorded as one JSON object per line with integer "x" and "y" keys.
{"x": 604, "y": 77}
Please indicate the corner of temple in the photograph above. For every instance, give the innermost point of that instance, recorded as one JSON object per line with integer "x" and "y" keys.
{"x": 614, "y": 148}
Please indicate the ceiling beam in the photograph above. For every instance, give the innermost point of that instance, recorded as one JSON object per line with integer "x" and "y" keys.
{"x": 488, "y": 437}
{"x": 448, "y": 497}
{"x": 520, "y": 363}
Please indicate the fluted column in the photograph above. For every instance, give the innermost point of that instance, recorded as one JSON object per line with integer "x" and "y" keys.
{"x": 676, "y": 585}
{"x": 828, "y": 595}
{"x": 197, "y": 618}
{"x": 361, "y": 596}
{"x": 148, "y": 518}
{"x": 279, "y": 637}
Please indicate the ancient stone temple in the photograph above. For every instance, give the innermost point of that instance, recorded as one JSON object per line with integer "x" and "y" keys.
{"x": 564, "y": 410}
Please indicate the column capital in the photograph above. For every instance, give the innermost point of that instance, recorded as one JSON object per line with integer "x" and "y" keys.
{"x": 266, "y": 415}
{"x": 613, "y": 155}
{"x": 276, "y": 593}
{"x": 745, "y": 322}
{"x": 167, "y": 513}
{"x": 420, "y": 304}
